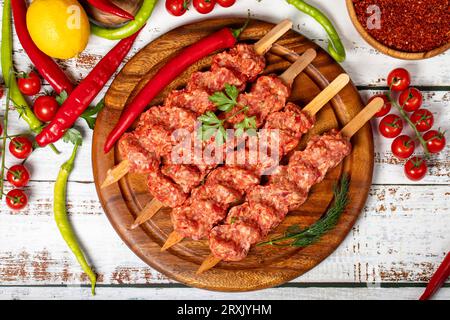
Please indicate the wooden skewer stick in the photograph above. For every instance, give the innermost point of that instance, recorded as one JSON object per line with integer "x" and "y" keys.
{"x": 266, "y": 42}
{"x": 288, "y": 77}
{"x": 115, "y": 174}
{"x": 172, "y": 240}
{"x": 312, "y": 108}
{"x": 348, "y": 131}
{"x": 261, "y": 47}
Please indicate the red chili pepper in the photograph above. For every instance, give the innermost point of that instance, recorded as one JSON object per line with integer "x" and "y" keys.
{"x": 45, "y": 65}
{"x": 222, "y": 39}
{"x": 438, "y": 279}
{"x": 85, "y": 92}
{"x": 109, "y": 7}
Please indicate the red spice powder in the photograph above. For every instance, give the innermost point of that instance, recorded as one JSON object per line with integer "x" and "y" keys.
{"x": 408, "y": 25}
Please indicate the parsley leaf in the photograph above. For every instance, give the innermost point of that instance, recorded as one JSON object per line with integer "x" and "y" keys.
{"x": 61, "y": 97}
{"x": 73, "y": 136}
{"x": 225, "y": 101}
{"x": 90, "y": 114}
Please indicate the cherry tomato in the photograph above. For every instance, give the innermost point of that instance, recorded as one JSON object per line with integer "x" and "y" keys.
{"x": 422, "y": 119}
{"x": 410, "y": 99}
{"x": 415, "y": 168}
{"x": 391, "y": 126}
{"x": 16, "y": 199}
{"x": 399, "y": 79}
{"x": 386, "y": 107}
{"x": 45, "y": 108}
{"x": 403, "y": 147}
{"x": 435, "y": 141}
{"x": 18, "y": 176}
{"x": 204, "y": 6}
{"x": 1, "y": 91}
{"x": 29, "y": 84}
{"x": 177, "y": 7}
{"x": 20, "y": 147}
{"x": 225, "y": 3}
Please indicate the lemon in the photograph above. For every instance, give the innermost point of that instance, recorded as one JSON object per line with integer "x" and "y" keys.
{"x": 59, "y": 28}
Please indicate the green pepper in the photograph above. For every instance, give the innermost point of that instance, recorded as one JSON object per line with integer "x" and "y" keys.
{"x": 7, "y": 65}
{"x": 335, "y": 47}
{"x": 61, "y": 218}
{"x": 131, "y": 27}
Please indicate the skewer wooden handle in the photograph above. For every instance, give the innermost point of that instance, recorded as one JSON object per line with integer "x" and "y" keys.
{"x": 172, "y": 240}
{"x": 327, "y": 94}
{"x": 266, "y": 42}
{"x": 147, "y": 213}
{"x": 295, "y": 69}
{"x": 208, "y": 263}
{"x": 361, "y": 118}
{"x": 115, "y": 174}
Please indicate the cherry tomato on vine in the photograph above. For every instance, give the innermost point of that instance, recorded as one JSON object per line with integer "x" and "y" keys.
{"x": 399, "y": 79}
{"x": 415, "y": 168}
{"x": 18, "y": 176}
{"x": 403, "y": 147}
{"x": 386, "y": 107}
{"x": 391, "y": 126}
{"x": 422, "y": 119}
{"x": 29, "y": 84}
{"x": 225, "y": 3}
{"x": 410, "y": 99}
{"x": 204, "y": 6}
{"x": 177, "y": 7}
{"x": 45, "y": 108}
{"x": 20, "y": 147}
{"x": 435, "y": 141}
{"x": 16, "y": 199}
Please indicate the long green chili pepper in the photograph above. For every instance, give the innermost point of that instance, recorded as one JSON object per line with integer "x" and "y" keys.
{"x": 61, "y": 218}
{"x": 4, "y": 137}
{"x": 335, "y": 47}
{"x": 131, "y": 27}
{"x": 7, "y": 64}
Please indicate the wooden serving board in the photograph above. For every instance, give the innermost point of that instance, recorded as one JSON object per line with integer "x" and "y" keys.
{"x": 265, "y": 266}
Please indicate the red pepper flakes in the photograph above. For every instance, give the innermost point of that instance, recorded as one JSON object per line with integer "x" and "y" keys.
{"x": 408, "y": 25}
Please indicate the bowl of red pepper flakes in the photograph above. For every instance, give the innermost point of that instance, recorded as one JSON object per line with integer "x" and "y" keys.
{"x": 404, "y": 29}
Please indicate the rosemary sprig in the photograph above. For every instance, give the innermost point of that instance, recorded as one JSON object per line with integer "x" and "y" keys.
{"x": 297, "y": 237}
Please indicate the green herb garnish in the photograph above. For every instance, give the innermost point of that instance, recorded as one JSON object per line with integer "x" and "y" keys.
{"x": 298, "y": 237}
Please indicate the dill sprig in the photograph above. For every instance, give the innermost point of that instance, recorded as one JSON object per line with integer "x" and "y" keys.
{"x": 297, "y": 237}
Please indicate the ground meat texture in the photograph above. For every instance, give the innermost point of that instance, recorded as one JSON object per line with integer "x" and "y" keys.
{"x": 165, "y": 190}
{"x": 140, "y": 159}
{"x": 231, "y": 242}
{"x": 243, "y": 60}
{"x": 219, "y": 193}
{"x": 237, "y": 178}
{"x": 155, "y": 137}
{"x": 262, "y": 217}
{"x": 291, "y": 120}
{"x": 186, "y": 176}
{"x": 195, "y": 219}
{"x": 281, "y": 198}
{"x": 195, "y": 100}
{"x": 324, "y": 152}
{"x": 215, "y": 80}
{"x": 268, "y": 95}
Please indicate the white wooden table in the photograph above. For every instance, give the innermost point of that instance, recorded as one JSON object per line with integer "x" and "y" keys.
{"x": 400, "y": 239}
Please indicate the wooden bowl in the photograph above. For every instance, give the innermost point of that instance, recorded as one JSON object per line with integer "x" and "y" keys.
{"x": 386, "y": 50}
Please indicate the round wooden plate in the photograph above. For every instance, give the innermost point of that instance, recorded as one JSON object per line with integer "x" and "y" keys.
{"x": 265, "y": 266}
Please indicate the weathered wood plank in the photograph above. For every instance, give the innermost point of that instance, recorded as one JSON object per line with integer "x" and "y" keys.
{"x": 397, "y": 239}
{"x": 307, "y": 293}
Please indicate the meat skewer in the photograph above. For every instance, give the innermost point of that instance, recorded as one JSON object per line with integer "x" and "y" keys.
{"x": 287, "y": 189}
{"x": 260, "y": 48}
{"x": 287, "y": 78}
{"x": 188, "y": 225}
